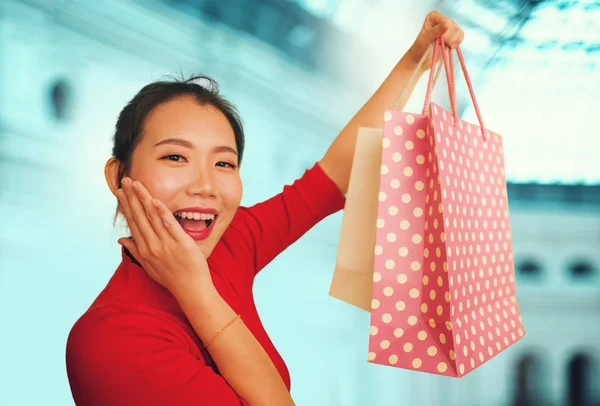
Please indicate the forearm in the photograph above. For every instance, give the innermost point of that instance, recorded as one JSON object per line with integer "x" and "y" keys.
{"x": 240, "y": 358}
{"x": 337, "y": 162}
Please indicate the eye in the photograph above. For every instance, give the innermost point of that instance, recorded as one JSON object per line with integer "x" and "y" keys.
{"x": 174, "y": 158}
{"x": 224, "y": 164}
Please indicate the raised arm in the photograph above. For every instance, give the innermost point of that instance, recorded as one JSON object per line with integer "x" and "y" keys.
{"x": 337, "y": 162}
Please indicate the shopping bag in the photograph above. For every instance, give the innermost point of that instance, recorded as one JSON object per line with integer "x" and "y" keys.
{"x": 443, "y": 283}
{"x": 352, "y": 280}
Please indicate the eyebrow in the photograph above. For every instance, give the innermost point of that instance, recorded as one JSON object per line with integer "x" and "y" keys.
{"x": 189, "y": 145}
{"x": 176, "y": 141}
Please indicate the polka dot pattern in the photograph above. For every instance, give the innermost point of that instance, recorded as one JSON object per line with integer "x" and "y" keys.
{"x": 444, "y": 263}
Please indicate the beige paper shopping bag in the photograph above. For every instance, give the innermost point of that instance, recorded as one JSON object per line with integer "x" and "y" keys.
{"x": 353, "y": 275}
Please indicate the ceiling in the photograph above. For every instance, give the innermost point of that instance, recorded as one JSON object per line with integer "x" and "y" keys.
{"x": 535, "y": 66}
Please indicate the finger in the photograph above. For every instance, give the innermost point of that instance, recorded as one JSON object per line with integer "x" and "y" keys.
{"x": 453, "y": 38}
{"x": 439, "y": 30}
{"x": 461, "y": 37}
{"x": 146, "y": 238}
{"x": 130, "y": 245}
{"x": 434, "y": 17}
{"x": 170, "y": 222}
{"x": 151, "y": 212}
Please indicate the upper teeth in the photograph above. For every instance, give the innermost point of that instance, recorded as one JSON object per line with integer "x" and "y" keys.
{"x": 195, "y": 216}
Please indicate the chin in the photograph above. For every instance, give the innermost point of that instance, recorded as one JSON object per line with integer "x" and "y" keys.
{"x": 207, "y": 247}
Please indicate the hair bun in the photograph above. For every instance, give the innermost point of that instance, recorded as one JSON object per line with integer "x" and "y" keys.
{"x": 206, "y": 83}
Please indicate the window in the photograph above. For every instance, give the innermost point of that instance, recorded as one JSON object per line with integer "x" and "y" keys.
{"x": 580, "y": 378}
{"x": 581, "y": 268}
{"x": 60, "y": 99}
{"x": 529, "y": 268}
{"x": 529, "y": 381}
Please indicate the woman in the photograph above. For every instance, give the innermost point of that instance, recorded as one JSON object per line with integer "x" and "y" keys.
{"x": 177, "y": 324}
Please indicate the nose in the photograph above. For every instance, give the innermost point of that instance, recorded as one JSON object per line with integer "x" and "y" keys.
{"x": 203, "y": 185}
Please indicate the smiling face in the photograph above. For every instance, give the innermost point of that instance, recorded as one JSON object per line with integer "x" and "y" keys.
{"x": 187, "y": 159}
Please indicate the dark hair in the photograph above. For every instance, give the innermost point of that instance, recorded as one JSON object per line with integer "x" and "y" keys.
{"x": 131, "y": 120}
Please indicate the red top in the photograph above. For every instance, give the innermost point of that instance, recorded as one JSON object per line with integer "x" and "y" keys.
{"x": 134, "y": 345}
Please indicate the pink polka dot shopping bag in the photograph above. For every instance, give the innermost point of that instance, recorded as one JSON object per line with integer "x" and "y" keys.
{"x": 443, "y": 292}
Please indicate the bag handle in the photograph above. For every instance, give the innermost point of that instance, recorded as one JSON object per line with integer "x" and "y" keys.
{"x": 449, "y": 78}
{"x": 449, "y": 65}
{"x": 449, "y": 68}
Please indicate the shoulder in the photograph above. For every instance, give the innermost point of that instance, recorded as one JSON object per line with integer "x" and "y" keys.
{"x": 239, "y": 232}
{"x": 109, "y": 332}
{"x": 239, "y": 222}
{"x": 122, "y": 357}
{"x": 108, "y": 346}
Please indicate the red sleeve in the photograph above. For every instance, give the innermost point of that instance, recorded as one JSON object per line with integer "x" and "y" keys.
{"x": 124, "y": 359}
{"x": 275, "y": 224}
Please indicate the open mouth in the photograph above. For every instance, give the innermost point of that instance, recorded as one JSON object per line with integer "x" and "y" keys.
{"x": 195, "y": 221}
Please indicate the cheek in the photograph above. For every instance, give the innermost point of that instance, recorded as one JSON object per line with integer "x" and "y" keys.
{"x": 231, "y": 192}
{"x": 162, "y": 185}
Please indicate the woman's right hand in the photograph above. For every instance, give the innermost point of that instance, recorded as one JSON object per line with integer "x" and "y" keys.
{"x": 169, "y": 256}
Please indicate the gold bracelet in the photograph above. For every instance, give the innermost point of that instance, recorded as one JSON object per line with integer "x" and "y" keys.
{"x": 220, "y": 331}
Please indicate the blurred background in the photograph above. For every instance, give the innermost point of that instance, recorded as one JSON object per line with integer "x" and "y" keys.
{"x": 298, "y": 70}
